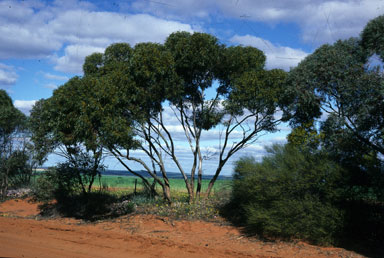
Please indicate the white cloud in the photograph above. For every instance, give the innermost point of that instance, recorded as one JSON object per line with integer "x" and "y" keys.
{"x": 320, "y": 21}
{"x": 40, "y": 30}
{"x": 175, "y": 9}
{"x": 24, "y": 105}
{"x": 93, "y": 31}
{"x": 8, "y": 76}
{"x": 101, "y": 28}
{"x": 72, "y": 61}
{"x": 50, "y": 86}
{"x": 55, "y": 77}
{"x": 19, "y": 42}
{"x": 277, "y": 56}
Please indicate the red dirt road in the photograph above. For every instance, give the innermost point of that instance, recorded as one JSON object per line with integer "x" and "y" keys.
{"x": 22, "y": 234}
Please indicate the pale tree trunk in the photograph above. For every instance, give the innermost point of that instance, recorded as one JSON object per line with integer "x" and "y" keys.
{"x": 192, "y": 179}
{"x": 167, "y": 191}
{"x": 214, "y": 178}
{"x": 200, "y": 172}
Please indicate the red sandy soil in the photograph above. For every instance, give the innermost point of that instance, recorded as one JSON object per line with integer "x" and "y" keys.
{"x": 24, "y": 234}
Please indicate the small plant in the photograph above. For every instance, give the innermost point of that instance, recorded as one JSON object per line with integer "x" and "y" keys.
{"x": 122, "y": 208}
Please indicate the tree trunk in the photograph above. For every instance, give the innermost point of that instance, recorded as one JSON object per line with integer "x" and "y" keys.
{"x": 167, "y": 192}
{"x": 191, "y": 185}
{"x": 199, "y": 176}
{"x": 213, "y": 180}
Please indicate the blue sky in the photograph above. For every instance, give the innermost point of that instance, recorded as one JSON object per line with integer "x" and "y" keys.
{"x": 43, "y": 43}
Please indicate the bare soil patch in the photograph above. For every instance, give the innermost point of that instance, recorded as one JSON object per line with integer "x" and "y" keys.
{"x": 23, "y": 233}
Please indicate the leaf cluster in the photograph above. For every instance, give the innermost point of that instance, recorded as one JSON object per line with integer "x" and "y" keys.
{"x": 11, "y": 119}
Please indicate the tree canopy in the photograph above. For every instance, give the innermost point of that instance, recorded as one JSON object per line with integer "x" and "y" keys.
{"x": 119, "y": 104}
{"x": 338, "y": 92}
{"x": 338, "y": 82}
{"x": 63, "y": 124}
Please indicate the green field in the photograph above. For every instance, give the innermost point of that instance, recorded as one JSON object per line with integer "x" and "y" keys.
{"x": 128, "y": 182}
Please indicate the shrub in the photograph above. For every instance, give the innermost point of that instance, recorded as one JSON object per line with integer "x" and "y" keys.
{"x": 62, "y": 185}
{"x": 43, "y": 190}
{"x": 292, "y": 193}
{"x": 56, "y": 183}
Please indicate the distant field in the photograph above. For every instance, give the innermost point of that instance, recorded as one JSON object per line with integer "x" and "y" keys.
{"x": 176, "y": 184}
{"x": 128, "y": 183}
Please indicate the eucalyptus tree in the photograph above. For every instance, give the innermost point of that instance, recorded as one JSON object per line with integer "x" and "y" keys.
{"x": 129, "y": 87}
{"x": 337, "y": 80}
{"x": 138, "y": 83}
{"x": 251, "y": 101}
{"x": 12, "y": 125}
{"x": 62, "y": 124}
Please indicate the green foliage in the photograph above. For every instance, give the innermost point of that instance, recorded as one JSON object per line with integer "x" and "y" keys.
{"x": 236, "y": 60}
{"x": 372, "y": 36}
{"x": 39, "y": 124}
{"x": 11, "y": 122}
{"x": 65, "y": 180}
{"x": 339, "y": 81}
{"x": 257, "y": 92}
{"x": 45, "y": 186}
{"x": 56, "y": 183}
{"x": 20, "y": 169}
{"x": 63, "y": 185}
{"x": 65, "y": 122}
{"x": 196, "y": 56}
{"x": 11, "y": 118}
{"x": 336, "y": 79}
{"x": 15, "y": 168}
{"x": 118, "y": 104}
{"x": 305, "y": 135}
{"x": 92, "y": 63}
{"x": 181, "y": 208}
{"x": 291, "y": 194}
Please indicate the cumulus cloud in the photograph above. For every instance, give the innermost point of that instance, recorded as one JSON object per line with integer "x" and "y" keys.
{"x": 18, "y": 42}
{"x": 8, "y": 76}
{"x": 23, "y": 30}
{"x": 41, "y": 30}
{"x": 24, "y": 106}
{"x": 73, "y": 59}
{"x": 277, "y": 56}
{"x": 101, "y": 28}
{"x": 320, "y": 21}
{"x": 93, "y": 31}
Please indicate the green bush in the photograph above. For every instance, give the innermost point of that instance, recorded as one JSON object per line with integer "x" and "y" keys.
{"x": 62, "y": 184}
{"x": 56, "y": 183}
{"x": 43, "y": 190}
{"x": 291, "y": 194}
